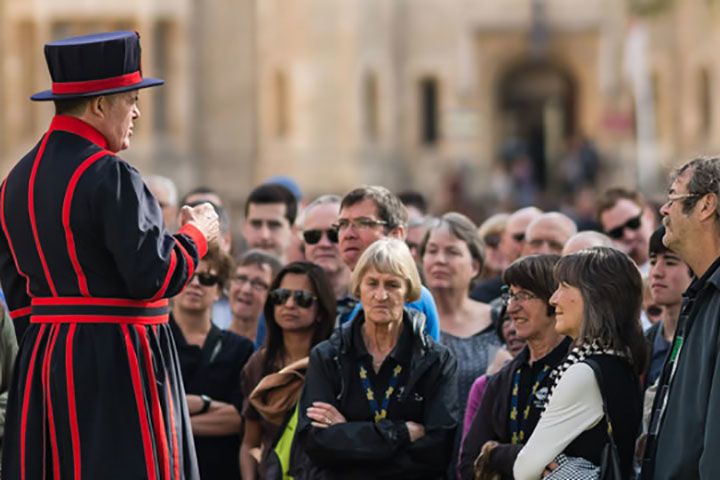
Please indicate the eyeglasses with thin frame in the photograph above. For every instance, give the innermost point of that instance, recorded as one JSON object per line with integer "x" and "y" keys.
{"x": 633, "y": 224}
{"x": 520, "y": 297}
{"x": 301, "y": 298}
{"x": 206, "y": 279}
{"x": 672, "y": 197}
{"x": 360, "y": 223}
{"x": 311, "y": 237}
{"x": 257, "y": 285}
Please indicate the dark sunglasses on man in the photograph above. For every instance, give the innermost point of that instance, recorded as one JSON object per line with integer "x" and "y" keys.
{"x": 302, "y": 299}
{"x": 206, "y": 279}
{"x": 312, "y": 237}
{"x": 633, "y": 224}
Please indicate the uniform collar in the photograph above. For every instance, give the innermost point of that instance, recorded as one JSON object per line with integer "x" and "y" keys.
{"x": 74, "y": 125}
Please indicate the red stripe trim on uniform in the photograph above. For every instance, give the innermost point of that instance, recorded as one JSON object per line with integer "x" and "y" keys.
{"x": 99, "y": 301}
{"x": 168, "y": 276}
{"x": 156, "y": 320}
{"x": 31, "y": 211}
{"x": 7, "y": 237}
{"x": 188, "y": 261}
{"x": 48, "y": 399}
{"x": 158, "y": 420}
{"x": 20, "y": 312}
{"x": 76, "y": 126}
{"x": 197, "y": 237}
{"x": 90, "y": 86}
{"x": 26, "y": 401}
{"x": 72, "y": 408}
{"x": 140, "y": 403}
{"x": 173, "y": 431}
{"x": 67, "y": 203}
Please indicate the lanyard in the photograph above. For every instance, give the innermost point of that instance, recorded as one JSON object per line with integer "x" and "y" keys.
{"x": 379, "y": 411}
{"x": 517, "y": 428}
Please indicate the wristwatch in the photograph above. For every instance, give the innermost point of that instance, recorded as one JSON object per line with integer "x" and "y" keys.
{"x": 206, "y": 404}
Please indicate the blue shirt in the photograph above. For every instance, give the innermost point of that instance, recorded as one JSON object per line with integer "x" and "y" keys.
{"x": 260, "y": 333}
{"x": 425, "y": 304}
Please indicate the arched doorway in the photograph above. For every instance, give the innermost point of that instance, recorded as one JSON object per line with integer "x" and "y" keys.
{"x": 537, "y": 112}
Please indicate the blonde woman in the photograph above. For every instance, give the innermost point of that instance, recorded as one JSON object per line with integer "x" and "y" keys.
{"x": 380, "y": 398}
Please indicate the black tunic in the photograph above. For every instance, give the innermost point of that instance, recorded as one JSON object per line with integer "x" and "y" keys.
{"x": 86, "y": 267}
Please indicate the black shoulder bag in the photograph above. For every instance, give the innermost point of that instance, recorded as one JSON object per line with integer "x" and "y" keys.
{"x": 610, "y": 459}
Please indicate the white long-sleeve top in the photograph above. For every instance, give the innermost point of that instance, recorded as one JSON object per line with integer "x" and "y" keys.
{"x": 575, "y": 406}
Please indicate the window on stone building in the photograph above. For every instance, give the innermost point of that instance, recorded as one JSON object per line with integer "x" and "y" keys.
{"x": 371, "y": 107}
{"x": 282, "y": 116}
{"x": 429, "y": 111}
{"x": 705, "y": 102}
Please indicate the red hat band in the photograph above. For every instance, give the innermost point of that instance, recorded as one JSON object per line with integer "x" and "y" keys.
{"x": 90, "y": 86}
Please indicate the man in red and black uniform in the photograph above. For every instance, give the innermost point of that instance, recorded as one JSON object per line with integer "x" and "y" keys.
{"x": 87, "y": 267}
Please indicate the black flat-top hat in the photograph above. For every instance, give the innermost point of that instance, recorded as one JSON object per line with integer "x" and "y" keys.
{"x": 92, "y": 65}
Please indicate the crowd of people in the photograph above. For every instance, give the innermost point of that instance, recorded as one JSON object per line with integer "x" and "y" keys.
{"x": 354, "y": 336}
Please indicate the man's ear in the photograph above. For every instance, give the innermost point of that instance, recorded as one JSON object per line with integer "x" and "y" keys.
{"x": 398, "y": 232}
{"x": 708, "y": 205}
{"x": 97, "y": 107}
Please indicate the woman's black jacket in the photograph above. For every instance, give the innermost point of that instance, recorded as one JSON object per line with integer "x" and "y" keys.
{"x": 365, "y": 449}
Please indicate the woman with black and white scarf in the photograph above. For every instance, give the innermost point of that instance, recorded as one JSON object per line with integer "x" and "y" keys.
{"x": 597, "y": 304}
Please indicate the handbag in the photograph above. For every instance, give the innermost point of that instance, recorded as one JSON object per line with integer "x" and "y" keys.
{"x": 576, "y": 468}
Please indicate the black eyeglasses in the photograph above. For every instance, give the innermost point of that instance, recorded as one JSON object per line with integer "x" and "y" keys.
{"x": 312, "y": 237}
{"x": 492, "y": 240}
{"x": 633, "y": 224}
{"x": 255, "y": 284}
{"x": 302, "y": 299}
{"x": 206, "y": 279}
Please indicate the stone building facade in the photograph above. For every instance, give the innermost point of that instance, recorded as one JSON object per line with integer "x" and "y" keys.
{"x": 418, "y": 94}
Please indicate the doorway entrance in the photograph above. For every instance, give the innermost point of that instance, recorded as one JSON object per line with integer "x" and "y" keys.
{"x": 537, "y": 112}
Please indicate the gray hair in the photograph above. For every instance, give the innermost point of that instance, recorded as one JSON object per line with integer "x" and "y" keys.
{"x": 165, "y": 184}
{"x": 586, "y": 239}
{"x": 392, "y": 256}
{"x": 328, "y": 199}
{"x": 704, "y": 179}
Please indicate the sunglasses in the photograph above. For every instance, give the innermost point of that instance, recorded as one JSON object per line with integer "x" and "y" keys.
{"x": 301, "y": 298}
{"x": 207, "y": 279}
{"x": 312, "y": 237}
{"x": 633, "y": 224}
{"x": 493, "y": 240}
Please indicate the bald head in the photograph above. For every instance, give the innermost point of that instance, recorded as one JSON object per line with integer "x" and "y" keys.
{"x": 586, "y": 239}
{"x": 548, "y": 234}
{"x": 513, "y": 238}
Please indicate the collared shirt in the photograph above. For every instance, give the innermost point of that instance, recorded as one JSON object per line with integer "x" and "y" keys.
{"x": 659, "y": 350}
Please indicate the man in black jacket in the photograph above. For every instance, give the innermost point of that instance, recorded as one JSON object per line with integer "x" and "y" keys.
{"x": 684, "y": 433}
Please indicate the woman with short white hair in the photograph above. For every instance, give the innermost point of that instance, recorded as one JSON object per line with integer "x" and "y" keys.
{"x": 380, "y": 398}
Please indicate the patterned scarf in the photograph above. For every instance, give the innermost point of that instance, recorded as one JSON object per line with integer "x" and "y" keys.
{"x": 576, "y": 355}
